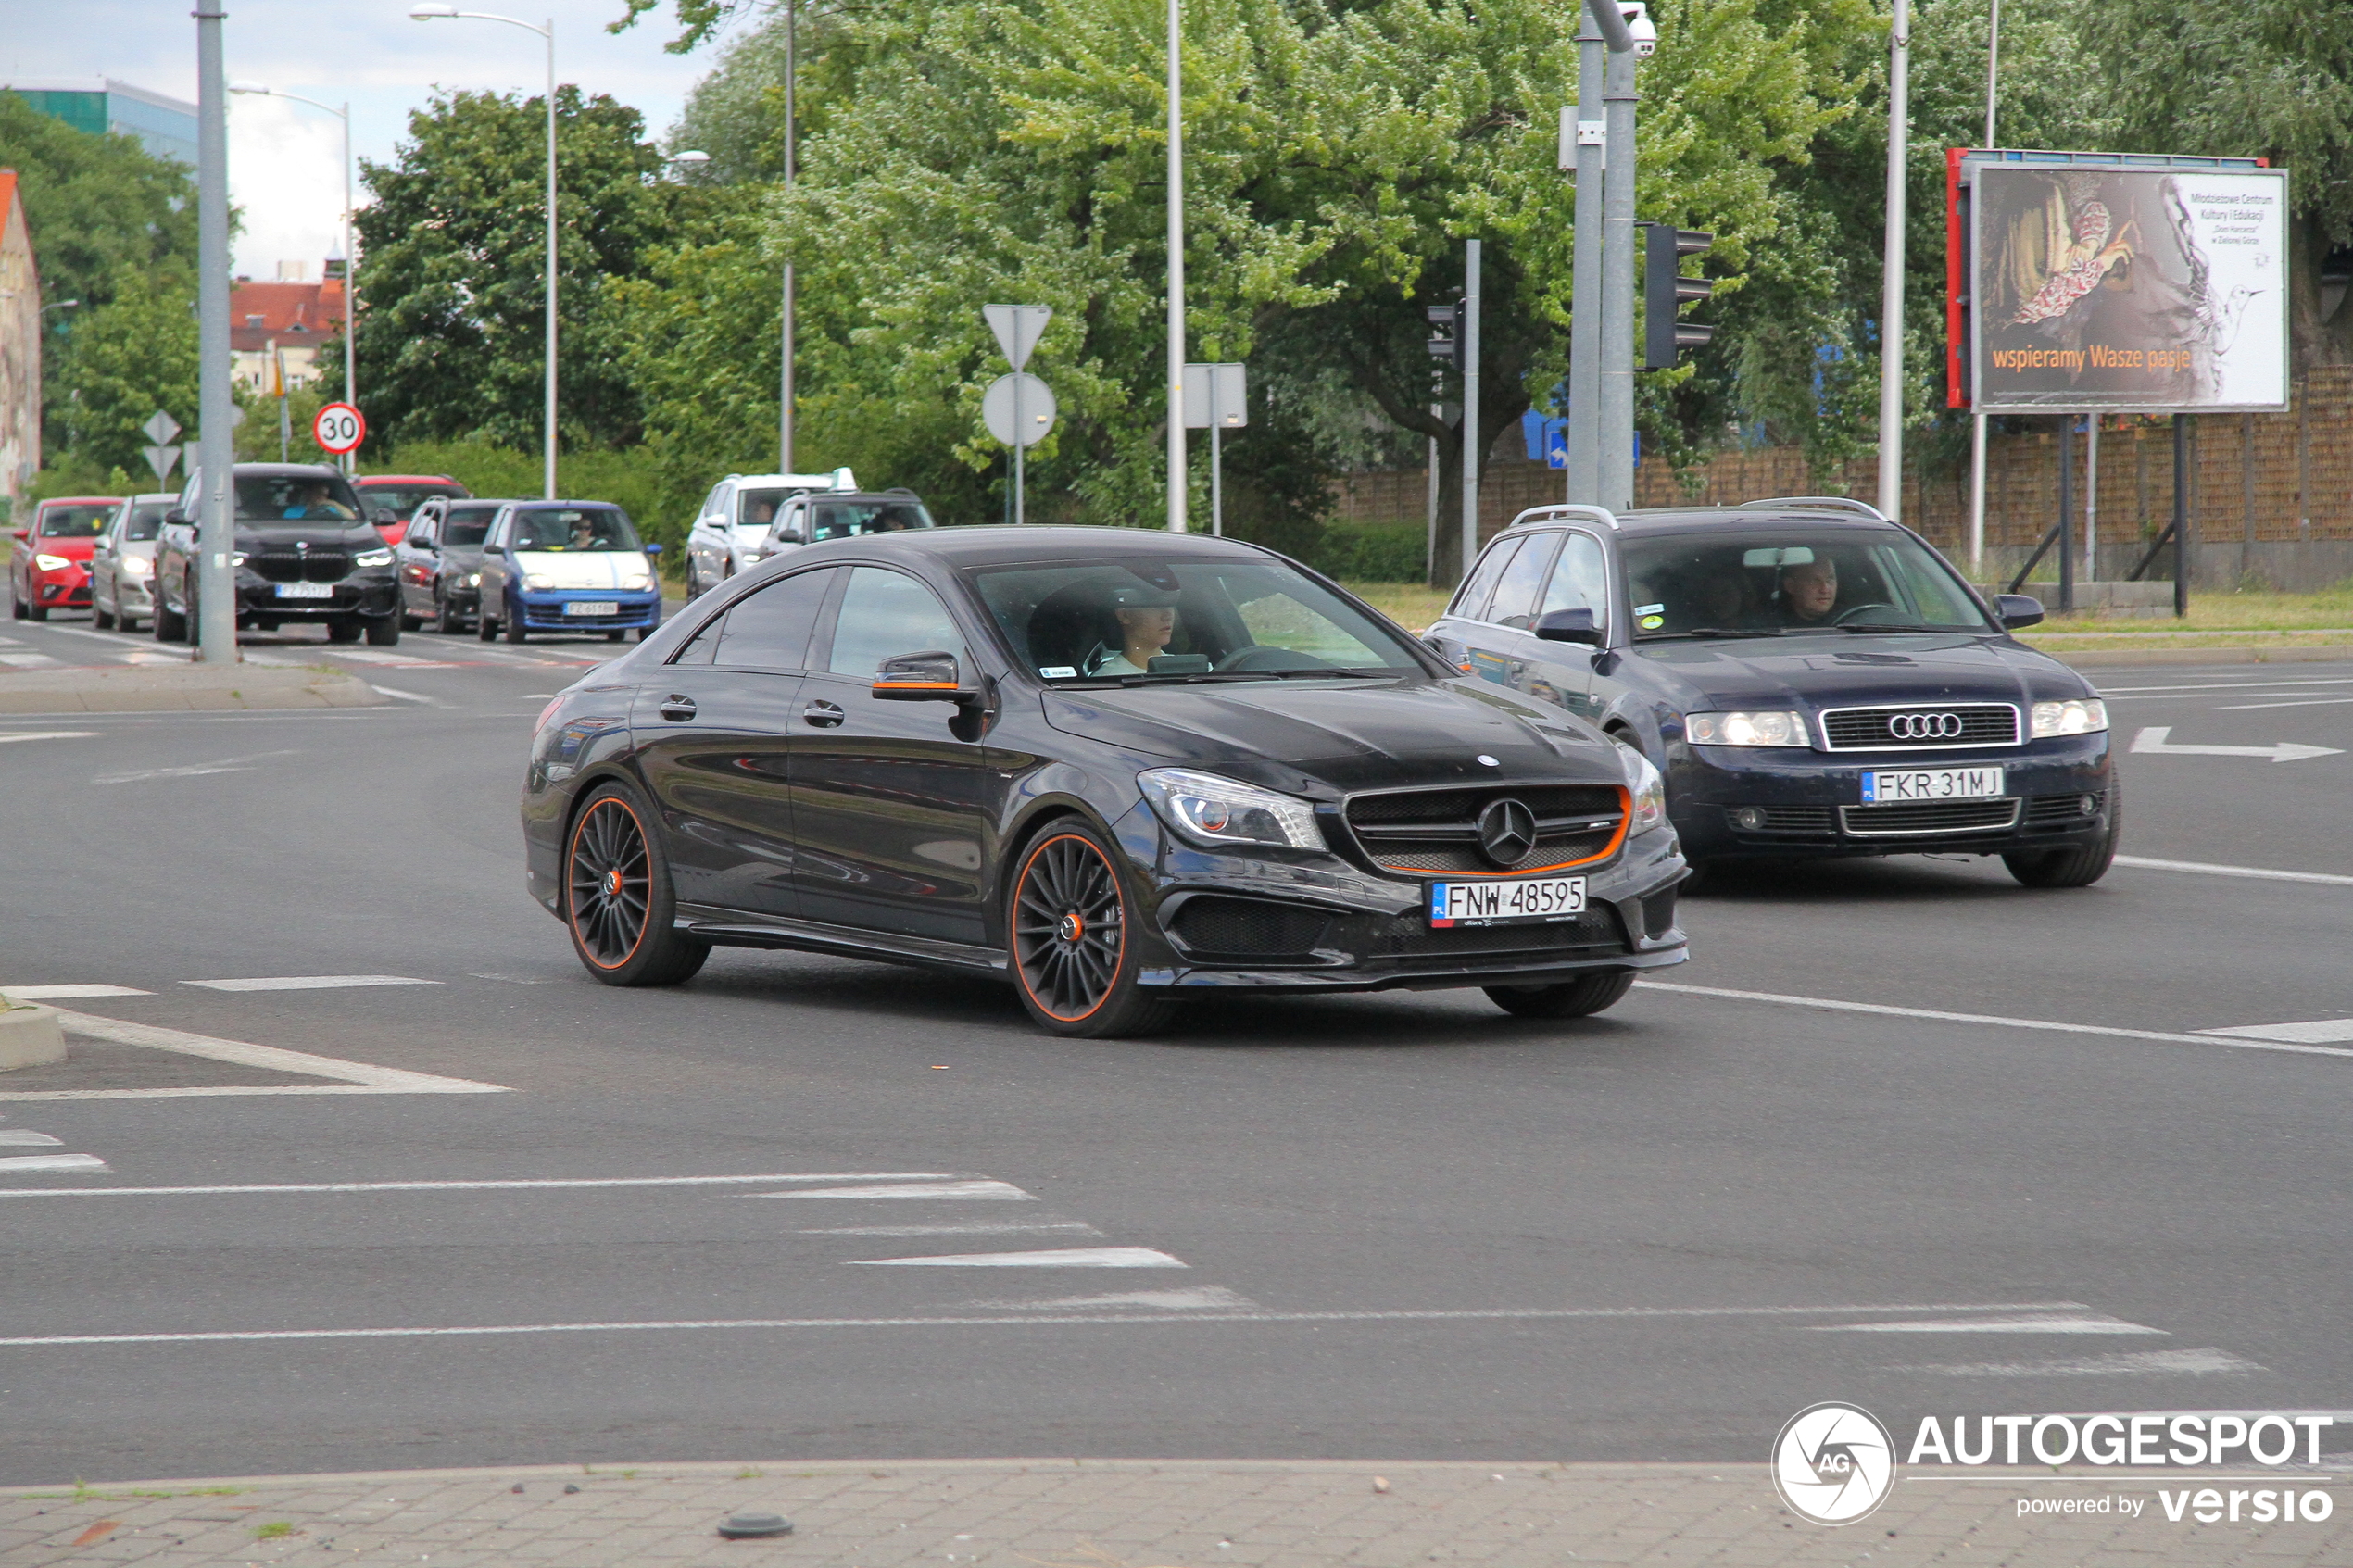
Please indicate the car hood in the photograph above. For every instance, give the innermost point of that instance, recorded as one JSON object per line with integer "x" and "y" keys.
{"x": 1345, "y": 736}
{"x": 580, "y": 569}
{"x": 353, "y": 537}
{"x": 1834, "y": 671}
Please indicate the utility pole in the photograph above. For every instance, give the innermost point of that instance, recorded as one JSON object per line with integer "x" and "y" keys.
{"x": 783, "y": 384}
{"x": 1890, "y": 312}
{"x": 1626, "y": 44}
{"x": 1177, "y": 483}
{"x": 1590, "y": 153}
{"x": 215, "y": 623}
{"x": 1977, "y": 421}
{"x": 1470, "y": 404}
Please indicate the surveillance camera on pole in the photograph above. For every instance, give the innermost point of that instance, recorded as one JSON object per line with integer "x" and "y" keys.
{"x": 1666, "y": 290}
{"x": 1446, "y": 342}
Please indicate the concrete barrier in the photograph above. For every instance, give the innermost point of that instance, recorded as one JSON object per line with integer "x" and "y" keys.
{"x": 30, "y": 1036}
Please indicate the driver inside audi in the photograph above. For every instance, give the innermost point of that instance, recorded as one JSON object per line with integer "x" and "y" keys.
{"x": 1809, "y": 591}
{"x": 1147, "y": 620}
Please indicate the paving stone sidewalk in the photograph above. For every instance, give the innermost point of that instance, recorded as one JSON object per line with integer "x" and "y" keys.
{"x": 1066, "y": 1513}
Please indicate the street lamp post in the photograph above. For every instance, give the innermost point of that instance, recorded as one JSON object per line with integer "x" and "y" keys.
{"x": 784, "y": 344}
{"x": 433, "y": 13}
{"x": 1176, "y": 481}
{"x": 350, "y": 257}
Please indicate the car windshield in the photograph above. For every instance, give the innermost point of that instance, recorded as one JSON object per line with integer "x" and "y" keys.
{"x": 847, "y": 519}
{"x": 402, "y": 501}
{"x": 1147, "y": 620}
{"x": 144, "y": 523}
{"x": 296, "y": 498}
{"x": 466, "y": 527}
{"x": 757, "y": 509}
{"x": 575, "y": 528}
{"x": 81, "y": 520}
{"x": 1756, "y": 581}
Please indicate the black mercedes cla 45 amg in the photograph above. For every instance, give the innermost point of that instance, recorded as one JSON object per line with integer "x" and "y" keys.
{"x": 1117, "y": 768}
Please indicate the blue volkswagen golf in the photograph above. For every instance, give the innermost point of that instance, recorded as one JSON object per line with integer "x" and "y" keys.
{"x": 1812, "y": 680}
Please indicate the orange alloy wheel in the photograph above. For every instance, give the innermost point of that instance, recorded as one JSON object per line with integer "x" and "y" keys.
{"x": 608, "y": 883}
{"x": 1069, "y": 927}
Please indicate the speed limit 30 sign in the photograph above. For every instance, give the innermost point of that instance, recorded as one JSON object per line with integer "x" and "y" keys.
{"x": 339, "y": 429}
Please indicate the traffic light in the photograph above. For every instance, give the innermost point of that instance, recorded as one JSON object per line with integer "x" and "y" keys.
{"x": 1447, "y": 350}
{"x": 1666, "y": 290}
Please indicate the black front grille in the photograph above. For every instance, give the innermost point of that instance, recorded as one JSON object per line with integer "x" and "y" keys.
{"x": 1922, "y": 726}
{"x": 1413, "y": 936}
{"x": 1785, "y": 819}
{"x": 1248, "y": 928}
{"x": 1437, "y": 830}
{"x": 2063, "y": 810}
{"x": 1931, "y": 816}
{"x": 298, "y": 566}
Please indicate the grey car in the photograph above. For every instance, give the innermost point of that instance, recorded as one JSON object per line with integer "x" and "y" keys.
{"x": 122, "y": 561}
{"x": 439, "y": 563}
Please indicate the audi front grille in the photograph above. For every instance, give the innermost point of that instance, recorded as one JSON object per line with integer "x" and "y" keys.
{"x": 1926, "y": 726}
{"x": 1436, "y": 830}
{"x": 1911, "y": 818}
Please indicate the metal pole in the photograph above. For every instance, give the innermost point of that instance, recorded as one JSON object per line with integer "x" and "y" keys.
{"x": 214, "y": 627}
{"x": 2091, "y": 500}
{"x": 1470, "y": 404}
{"x": 1891, "y": 336}
{"x": 2066, "y": 513}
{"x": 1977, "y": 500}
{"x": 1616, "y": 369}
{"x": 1176, "y": 497}
{"x": 1216, "y": 477}
{"x": 350, "y": 293}
{"x": 550, "y": 464}
{"x": 785, "y": 346}
{"x": 1021, "y": 501}
{"x": 1430, "y": 547}
{"x": 2181, "y": 515}
{"x": 1993, "y": 66}
{"x": 1583, "y": 465}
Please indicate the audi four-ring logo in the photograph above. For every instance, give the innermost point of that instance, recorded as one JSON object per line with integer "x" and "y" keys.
{"x": 1924, "y": 726}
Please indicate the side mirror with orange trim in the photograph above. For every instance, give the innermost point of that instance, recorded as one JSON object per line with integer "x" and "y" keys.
{"x": 929, "y": 677}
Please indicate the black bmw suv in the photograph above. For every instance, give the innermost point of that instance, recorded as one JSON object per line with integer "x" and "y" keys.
{"x": 305, "y": 552}
{"x": 1113, "y": 768}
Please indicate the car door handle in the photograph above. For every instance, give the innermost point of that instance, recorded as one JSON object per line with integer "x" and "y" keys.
{"x": 825, "y": 715}
{"x": 677, "y": 708}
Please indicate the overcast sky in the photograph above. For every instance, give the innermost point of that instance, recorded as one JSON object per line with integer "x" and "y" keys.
{"x": 284, "y": 167}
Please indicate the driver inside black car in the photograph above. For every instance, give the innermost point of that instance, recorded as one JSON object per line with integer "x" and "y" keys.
{"x": 1147, "y": 620}
{"x": 1808, "y": 591}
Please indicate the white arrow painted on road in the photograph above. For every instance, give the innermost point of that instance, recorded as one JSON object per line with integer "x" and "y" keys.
{"x": 2152, "y": 742}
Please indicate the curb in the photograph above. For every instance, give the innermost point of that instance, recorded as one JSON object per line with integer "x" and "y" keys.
{"x": 2235, "y": 653}
{"x": 30, "y": 1036}
{"x": 181, "y": 688}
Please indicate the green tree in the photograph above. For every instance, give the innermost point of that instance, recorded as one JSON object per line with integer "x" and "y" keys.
{"x": 451, "y": 338}
{"x": 130, "y": 357}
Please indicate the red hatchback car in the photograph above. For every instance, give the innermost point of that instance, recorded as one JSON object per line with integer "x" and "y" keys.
{"x": 392, "y": 499}
{"x": 51, "y": 569}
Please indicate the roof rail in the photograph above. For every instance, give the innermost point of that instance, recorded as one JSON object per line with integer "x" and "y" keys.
{"x": 1566, "y": 508}
{"x": 1819, "y": 504}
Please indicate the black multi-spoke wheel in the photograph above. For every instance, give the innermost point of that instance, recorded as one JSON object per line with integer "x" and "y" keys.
{"x": 1069, "y": 924}
{"x": 617, "y": 896}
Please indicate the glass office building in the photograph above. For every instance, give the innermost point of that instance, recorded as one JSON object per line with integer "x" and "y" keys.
{"x": 165, "y": 127}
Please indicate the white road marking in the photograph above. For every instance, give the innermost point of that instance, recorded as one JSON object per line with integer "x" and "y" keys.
{"x": 516, "y": 979}
{"x": 1207, "y": 1298}
{"x": 1078, "y": 1227}
{"x": 31, "y": 661}
{"x": 2192, "y": 688}
{"x": 1004, "y": 1191}
{"x": 2299, "y": 702}
{"x": 508, "y": 1186}
{"x": 1499, "y": 1314}
{"x": 2152, "y": 742}
{"x": 382, "y": 1080}
{"x": 68, "y": 993}
{"x": 307, "y": 981}
{"x": 12, "y": 1138}
{"x": 370, "y": 656}
{"x": 2317, "y": 1032}
{"x": 149, "y": 656}
{"x": 1059, "y": 1258}
{"x": 2204, "y": 867}
{"x": 2121, "y": 1363}
{"x": 1826, "y": 1005}
{"x": 2024, "y": 1323}
{"x": 24, "y": 1164}
{"x": 405, "y": 696}
{"x": 102, "y": 636}
{"x": 7, "y": 735}
{"x": 195, "y": 770}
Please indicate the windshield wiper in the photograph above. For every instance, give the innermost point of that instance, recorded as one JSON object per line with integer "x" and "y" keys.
{"x": 1719, "y": 631}
{"x": 1336, "y": 672}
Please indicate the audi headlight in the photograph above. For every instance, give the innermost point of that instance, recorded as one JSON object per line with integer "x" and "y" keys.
{"x": 50, "y": 563}
{"x": 373, "y": 558}
{"x": 1648, "y": 789}
{"x": 1746, "y": 729}
{"x": 1221, "y": 813}
{"x": 473, "y": 579}
{"x": 134, "y": 566}
{"x": 537, "y": 582}
{"x": 2076, "y": 716}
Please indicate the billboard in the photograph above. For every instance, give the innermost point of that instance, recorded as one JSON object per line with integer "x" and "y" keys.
{"x": 2105, "y": 287}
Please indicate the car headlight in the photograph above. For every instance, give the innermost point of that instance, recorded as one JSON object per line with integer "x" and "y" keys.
{"x": 1221, "y": 813}
{"x": 473, "y": 579}
{"x": 134, "y": 566}
{"x": 639, "y": 581}
{"x": 373, "y": 558}
{"x": 1647, "y": 788}
{"x": 2076, "y": 716}
{"x": 538, "y": 583}
{"x": 238, "y": 558}
{"x": 1746, "y": 729}
{"x": 50, "y": 563}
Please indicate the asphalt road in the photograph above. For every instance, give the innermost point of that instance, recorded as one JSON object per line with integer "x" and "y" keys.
{"x": 1392, "y": 1225}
